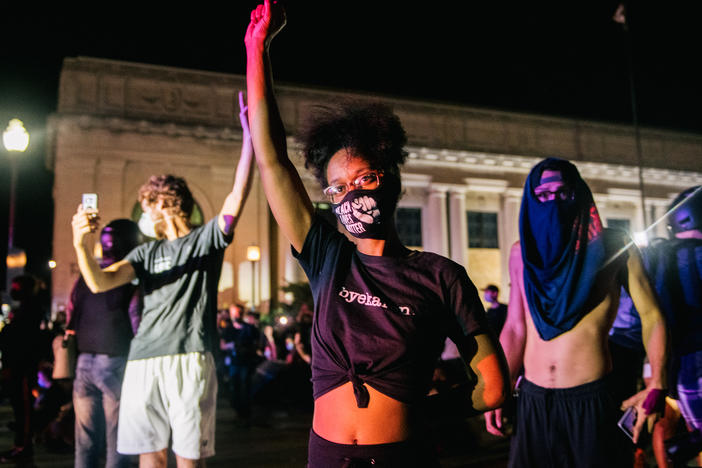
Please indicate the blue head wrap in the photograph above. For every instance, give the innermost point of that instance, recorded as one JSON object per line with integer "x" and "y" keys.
{"x": 562, "y": 250}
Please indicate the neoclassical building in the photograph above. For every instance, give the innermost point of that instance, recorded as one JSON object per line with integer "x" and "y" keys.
{"x": 117, "y": 123}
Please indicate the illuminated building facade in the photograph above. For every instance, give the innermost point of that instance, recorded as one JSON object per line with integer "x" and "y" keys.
{"x": 117, "y": 123}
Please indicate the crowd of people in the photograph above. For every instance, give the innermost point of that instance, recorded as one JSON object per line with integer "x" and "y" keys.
{"x": 599, "y": 344}
{"x": 41, "y": 404}
{"x": 265, "y": 364}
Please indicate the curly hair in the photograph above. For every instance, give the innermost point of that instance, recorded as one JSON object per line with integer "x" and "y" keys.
{"x": 172, "y": 190}
{"x": 371, "y": 130}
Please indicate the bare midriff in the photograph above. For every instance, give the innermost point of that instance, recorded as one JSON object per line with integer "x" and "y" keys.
{"x": 338, "y": 419}
{"x": 576, "y": 357}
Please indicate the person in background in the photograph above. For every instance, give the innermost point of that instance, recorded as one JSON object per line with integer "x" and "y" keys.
{"x": 242, "y": 341}
{"x": 169, "y": 391}
{"x": 496, "y": 311}
{"x": 103, "y": 324}
{"x": 675, "y": 268}
{"x": 21, "y": 348}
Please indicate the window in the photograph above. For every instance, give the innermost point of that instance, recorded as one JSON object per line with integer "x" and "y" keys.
{"x": 482, "y": 230}
{"x": 617, "y": 223}
{"x": 409, "y": 226}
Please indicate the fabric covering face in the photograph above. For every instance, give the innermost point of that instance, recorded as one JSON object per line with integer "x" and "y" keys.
{"x": 562, "y": 250}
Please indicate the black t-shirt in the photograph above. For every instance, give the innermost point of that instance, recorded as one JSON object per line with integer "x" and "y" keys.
{"x": 382, "y": 320}
{"x": 247, "y": 339}
{"x": 496, "y": 317}
{"x": 102, "y": 321}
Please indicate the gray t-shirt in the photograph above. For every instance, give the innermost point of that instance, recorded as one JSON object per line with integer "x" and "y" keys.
{"x": 179, "y": 281}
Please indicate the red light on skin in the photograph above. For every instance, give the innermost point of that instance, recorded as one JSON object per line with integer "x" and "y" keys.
{"x": 489, "y": 368}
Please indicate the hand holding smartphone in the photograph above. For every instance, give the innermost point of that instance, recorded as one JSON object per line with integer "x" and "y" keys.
{"x": 627, "y": 421}
{"x": 90, "y": 205}
{"x": 90, "y": 201}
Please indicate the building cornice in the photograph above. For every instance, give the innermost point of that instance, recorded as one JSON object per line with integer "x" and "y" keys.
{"x": 124, "y": 96}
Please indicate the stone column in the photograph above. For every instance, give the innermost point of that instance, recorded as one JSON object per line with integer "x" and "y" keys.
{"x": 659, "y": 208}
{"x": 434, "y": 226}
{"x": 109, "y": 182}
{"x": 509, "y": 230}
{"x": 458, "y": 235}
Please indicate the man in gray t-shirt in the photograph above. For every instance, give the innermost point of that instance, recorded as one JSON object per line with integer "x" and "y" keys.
{"x": 170, "y": 384}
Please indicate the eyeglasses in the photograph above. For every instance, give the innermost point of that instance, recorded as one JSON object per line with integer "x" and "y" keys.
{"x": 368, "y": 181}
{"x": 563, "y": 193}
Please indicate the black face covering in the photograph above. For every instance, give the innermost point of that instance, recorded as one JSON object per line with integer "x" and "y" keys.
{"x": 365, "y": 213}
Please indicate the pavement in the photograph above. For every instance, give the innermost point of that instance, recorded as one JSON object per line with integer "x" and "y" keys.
{"x": 277, "y": 437}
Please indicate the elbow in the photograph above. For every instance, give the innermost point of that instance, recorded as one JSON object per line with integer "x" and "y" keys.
{"x": 94, "y": 288}
{"x": 91, "y": 284}
{"x": 94, "y": 285}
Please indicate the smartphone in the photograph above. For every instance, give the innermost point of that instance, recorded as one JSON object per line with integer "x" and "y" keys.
{"x": 90, "y": 201}
{"x": 627, "y": 421}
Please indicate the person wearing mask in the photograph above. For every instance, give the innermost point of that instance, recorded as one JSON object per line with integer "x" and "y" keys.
{"x": 496, "y": 311}
{"x": 381, "y": 310}
{"x": 675, "y": 268}
{"x": 103, "y": 325}
{"x": 566, "y": 273}
{"x": 169, "y": 390}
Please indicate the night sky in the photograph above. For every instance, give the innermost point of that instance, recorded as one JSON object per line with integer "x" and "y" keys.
{"x": 572, "y": 62}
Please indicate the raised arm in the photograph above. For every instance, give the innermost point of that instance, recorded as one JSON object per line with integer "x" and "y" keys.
{"x": 513, "y": 336}
{"x": 648, "y": 402}
{"x": 97, "y": 279}
{"x": 234, "y": 202}
{"x": 284, "y": 190}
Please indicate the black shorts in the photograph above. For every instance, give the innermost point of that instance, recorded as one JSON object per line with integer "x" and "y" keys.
{"x": 567, "y": 427}
{"x": 410, "y": 453}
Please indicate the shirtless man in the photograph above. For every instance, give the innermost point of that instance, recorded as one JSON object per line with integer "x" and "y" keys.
{"x": 566, "y": 274}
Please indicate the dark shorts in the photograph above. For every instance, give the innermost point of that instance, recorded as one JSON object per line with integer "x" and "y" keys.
{"x": 567, "y": 427}
{"x": 410, "y": 453}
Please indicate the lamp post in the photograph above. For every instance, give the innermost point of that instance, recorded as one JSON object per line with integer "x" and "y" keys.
{"x": 253, "y": 255}
{"x": 16, "y": 139}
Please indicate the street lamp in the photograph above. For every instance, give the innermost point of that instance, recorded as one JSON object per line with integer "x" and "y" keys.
{"x": 16, "y": 139}
{"x": 253, "y": 255}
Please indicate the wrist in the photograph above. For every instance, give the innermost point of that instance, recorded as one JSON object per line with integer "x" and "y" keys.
{"x": 655, "y": 401}
{"x": 255, "y": 50}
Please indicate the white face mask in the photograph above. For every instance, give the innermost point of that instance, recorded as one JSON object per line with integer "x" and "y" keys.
{"x": 147, "y": 226}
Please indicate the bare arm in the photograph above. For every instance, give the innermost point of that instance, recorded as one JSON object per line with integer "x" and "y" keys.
{"x": 487, "y": 362}
{"x": 233, "y": 204}
{"x": 97, "y": 279}
{"x": 513, "y": 336}
{"x": 284, "y": 190}
{"x": 653, "y": 334}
